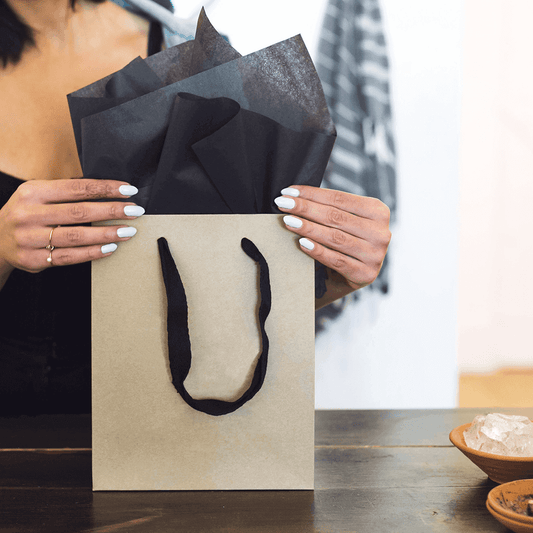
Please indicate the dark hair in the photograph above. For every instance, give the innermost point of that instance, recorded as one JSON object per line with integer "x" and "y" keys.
{"x": 15, "y": 34}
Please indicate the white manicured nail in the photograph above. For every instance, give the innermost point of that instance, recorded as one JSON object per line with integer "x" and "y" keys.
{"x": 306, "y": 243}
{"x": 290, "y": 191}
{"x": 287, "y": 203}
{"x": 128, "y": 190}
{"x": 133, "y": 211}
{"x": 126, "y": 232}
{"x": 108, "y": 248}
{"x": 292, "y": 222}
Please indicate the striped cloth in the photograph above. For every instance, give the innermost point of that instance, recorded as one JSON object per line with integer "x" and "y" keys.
{"x": 353, "y": 67}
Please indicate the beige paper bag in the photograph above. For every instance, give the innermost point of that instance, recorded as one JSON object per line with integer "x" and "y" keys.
{"x": 145, "y": 437}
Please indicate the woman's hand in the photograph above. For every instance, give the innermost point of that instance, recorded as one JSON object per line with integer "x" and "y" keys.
{"x": 347, "y": 233}
{"x": 38, "y": 206}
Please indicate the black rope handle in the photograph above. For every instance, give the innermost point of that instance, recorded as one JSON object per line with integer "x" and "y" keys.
{"x": 179, "y": 343}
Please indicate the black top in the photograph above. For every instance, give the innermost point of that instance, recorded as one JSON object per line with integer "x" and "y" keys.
{"x": 45, "y": 332}
{"x": 45, "y": 326}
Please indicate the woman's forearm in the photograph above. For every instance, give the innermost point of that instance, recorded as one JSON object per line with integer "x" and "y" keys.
{"x": 336, "y": 287}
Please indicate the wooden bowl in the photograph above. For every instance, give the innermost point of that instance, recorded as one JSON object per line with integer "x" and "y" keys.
{"x": 499, "y": 468}
{"x": 508, "y": 504}
{"x": 513, "y": 525}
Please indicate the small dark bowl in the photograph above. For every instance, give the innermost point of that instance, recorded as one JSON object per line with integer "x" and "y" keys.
{"x": 508, "y": 504}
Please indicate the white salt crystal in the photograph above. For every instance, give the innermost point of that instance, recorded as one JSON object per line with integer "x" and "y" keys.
{"x": 501, "y": 434}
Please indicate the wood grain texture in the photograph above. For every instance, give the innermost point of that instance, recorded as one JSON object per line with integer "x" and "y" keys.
{"x": 373, "y": 475}
{"x": 409, "y": 510}
{"x": 336, "y": 427}
{"x": 423, "y": 427}
{"x": 335, "y": 468}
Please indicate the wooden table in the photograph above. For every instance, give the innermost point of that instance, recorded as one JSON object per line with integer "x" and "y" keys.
{"x": 376, "y": 472}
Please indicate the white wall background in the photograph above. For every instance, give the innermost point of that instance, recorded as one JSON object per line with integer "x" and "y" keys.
{"x": 397, "y": 351}
{"x": 400, "y": 352}
{"x": 496, "y": 254}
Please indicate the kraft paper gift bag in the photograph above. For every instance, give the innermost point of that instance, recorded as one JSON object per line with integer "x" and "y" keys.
{"x": 145, "y": 435}
{"x": 201, "y": 130}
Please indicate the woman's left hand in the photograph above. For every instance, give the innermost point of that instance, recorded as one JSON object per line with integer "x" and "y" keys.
{"x": 345, "y": 232}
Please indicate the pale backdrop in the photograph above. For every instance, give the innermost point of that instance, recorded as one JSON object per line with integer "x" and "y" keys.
{"x": 496, "y": 253}
{"x": 397, "y": 351}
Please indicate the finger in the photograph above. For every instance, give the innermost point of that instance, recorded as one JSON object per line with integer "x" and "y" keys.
{"x": 329, "y": 216}
{"x": 362, "y": 206}
{"x": 75, "y": 190}
{"x": 356, "y": 273}
{"x": 84, "y": 212}
{"x": 74, "y": 256}
{"x": 335, "y": 239}
{"x": 74, "y": 236}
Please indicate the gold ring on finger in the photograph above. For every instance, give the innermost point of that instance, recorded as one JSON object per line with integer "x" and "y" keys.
{"x": 50, "y": 245}
{"x": 49, "y": 258}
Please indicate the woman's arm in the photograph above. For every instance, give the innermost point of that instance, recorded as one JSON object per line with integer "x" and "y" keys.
{"x": 349, "y": 234}
{"x": 336, "y": 287}
{"x": 66, "y": 206}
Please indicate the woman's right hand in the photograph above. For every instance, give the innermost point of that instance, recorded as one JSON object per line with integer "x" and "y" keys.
{"x": 37, "y": 206}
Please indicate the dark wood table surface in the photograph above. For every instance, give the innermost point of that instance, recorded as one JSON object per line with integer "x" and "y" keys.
{"x": 375, "y": 472}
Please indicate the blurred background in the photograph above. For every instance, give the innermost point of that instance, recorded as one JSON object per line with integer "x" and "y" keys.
{"x": 452, "y": 329}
